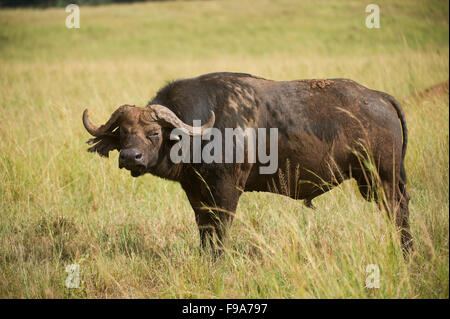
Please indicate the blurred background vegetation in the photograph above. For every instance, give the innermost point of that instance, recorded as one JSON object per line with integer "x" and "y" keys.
{"x": 60, "y": 3}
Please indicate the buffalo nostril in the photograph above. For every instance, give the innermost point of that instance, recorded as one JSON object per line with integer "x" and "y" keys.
{"x": 138, "y": 156}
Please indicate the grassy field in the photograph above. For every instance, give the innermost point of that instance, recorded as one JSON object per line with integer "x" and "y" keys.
{"x": 60, "y": 205}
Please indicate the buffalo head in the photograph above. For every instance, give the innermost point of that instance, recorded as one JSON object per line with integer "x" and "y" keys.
{"x": 139, "y": 134}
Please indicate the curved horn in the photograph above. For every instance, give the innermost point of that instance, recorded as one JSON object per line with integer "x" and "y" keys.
{"x": 108, "y": 126}
{"x": 163, "y": 113}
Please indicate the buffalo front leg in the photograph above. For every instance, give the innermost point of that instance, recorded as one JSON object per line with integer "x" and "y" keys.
{"x": 213, "y": 225}
{"x": 214, "y": 207}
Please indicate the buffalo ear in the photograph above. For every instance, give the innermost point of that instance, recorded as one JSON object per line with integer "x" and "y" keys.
{"x": 105, "y": 143}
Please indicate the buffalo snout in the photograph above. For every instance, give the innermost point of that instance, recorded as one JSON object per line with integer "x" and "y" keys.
{"x": 131, "y": 159}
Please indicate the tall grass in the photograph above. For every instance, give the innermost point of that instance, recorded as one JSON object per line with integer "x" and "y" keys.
{"x": 60, "y": 205}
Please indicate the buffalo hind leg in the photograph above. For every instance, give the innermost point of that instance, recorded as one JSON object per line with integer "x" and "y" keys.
{"x": 395, "y": 201}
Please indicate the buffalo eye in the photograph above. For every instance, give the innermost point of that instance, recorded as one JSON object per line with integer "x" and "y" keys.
{"x": 152, "y": 134}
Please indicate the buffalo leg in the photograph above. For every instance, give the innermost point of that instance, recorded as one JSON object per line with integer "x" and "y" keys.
{"x": 214, "y": 207}
{"x": 396, "y": 204}
{"x": 395, "y": 201}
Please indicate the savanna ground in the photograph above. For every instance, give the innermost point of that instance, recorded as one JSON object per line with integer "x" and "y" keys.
{"x": 60, "y": 205}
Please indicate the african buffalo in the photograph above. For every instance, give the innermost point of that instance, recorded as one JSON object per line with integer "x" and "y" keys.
{"x": 328, "y": 130}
